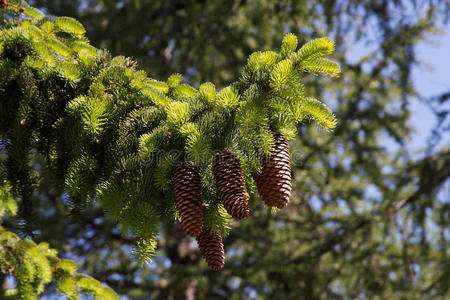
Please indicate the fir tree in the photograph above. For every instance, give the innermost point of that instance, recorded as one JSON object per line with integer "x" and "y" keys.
{"x": 112, "y": 133}
{"x": 332, "y": 240}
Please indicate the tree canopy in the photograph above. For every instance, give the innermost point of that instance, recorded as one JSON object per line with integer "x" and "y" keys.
{"x": 367, "y": 218}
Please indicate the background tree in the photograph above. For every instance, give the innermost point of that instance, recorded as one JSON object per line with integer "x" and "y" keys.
{"x": 367, "y": 218}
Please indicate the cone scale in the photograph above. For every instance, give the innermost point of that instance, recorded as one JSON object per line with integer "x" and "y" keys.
{"x": 211, "y": 247}
{"x": 230, "y": 184}
{"x": 188, "y": 197}
{"x": 274, "y": 182}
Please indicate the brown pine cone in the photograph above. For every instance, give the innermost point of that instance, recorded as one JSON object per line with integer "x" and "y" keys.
{"x": 211, "y": 247}
{"x": 230, "y": 185}
{"x": 274, "y": 182}
{"x": 188, "y": 197}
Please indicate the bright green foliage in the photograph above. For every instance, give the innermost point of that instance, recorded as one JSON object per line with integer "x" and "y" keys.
{"x": 314, "y": 49}
{"x": 93, "y": 115}
{"x": 148, "y": 142}
{"x": 35, "y": 266}
{"x": 177, "y": 114}
{"x": 289, "y": 44}
{"x": 208, "y": 92}
{"x": 117, "y": 134}
{"x": 318, "y": 111}
{"x": 34, "y": 13}
{"x": 309, "y": 57}
{"x": 227, "y": 98}
{"x": 174, "y": 80}
{"x": 69, "y": 25}
{"x": 320, "y": 65}
{"x": 262, "y": 60}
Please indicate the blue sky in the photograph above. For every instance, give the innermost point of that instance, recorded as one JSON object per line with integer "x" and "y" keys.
{"x": 432, "y": 78}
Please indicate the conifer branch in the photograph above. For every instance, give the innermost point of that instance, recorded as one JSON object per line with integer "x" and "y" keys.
{"x": 36, "y": 265}
{"x": 120, "y": 133}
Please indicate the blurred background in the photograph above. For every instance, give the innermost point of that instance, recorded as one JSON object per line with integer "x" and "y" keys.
{"x": 370, "y": 212}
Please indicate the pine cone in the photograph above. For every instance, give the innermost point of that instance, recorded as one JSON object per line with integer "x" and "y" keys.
{"x": 229, "y": 182}
{"x": 188, "y": 197}
{"x": 211, "y": 246}
{"x": 274, "y": 183}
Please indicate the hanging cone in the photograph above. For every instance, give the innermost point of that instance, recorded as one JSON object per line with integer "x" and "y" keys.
{"x": 230, "y": 184}
{"x": 274, "y": 182}
{"x": 188, "y": 197}
{"x": 211, "y": 246}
